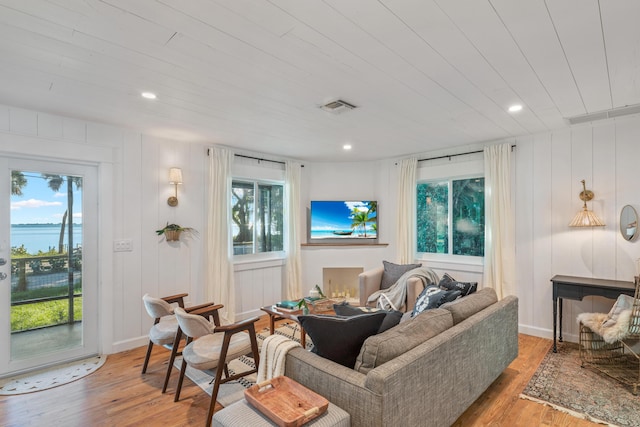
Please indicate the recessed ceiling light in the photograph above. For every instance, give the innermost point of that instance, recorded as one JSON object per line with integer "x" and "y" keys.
{"x": 346, "y": 147}
{"x": 515, "y": 108}
{"x": 149, "y": 95}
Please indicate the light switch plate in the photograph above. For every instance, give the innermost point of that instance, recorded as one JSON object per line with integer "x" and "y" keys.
{"x": 123, "y": 245}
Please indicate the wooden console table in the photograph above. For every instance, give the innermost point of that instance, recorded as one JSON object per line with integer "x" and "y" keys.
{"x": 576, "y": 288}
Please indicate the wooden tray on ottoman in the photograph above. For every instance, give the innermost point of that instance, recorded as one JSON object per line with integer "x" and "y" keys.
{"x": 286, "y": 402}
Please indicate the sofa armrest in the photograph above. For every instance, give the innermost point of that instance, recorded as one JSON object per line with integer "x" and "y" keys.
{"x": 414, "y": 287}
{"x": 369, "y": 282}
{"x": 340, "y": 385}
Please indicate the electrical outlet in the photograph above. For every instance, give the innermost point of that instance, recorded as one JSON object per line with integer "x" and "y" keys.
{"x": 123, "y": 245}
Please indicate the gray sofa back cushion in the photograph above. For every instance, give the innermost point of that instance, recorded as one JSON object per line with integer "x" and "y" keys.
{"x": 381, "y": 348}
{"x": 465, "y": 307}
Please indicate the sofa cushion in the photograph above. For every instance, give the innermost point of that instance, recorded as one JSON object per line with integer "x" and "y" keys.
{"x": 433, "y": 297}
{"x": 449, "y": 283}
{"x": 391, "y": 319}
{"x": 471, "y": 304}
{"x": 392, "y": 272}
{"x": 339, "y": 338}
{"x": 381, "y": 348}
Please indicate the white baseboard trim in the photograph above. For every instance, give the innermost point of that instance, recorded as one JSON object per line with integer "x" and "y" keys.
{"x": 129, "y": 344}
{"x": 250, "y": 313}
{"x": 545, "y": 333}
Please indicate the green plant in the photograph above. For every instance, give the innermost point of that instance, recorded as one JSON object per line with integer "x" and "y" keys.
{"x": 302, "y": 304}
{"x": 176, "y": 227}
{"x": 322, "y": 295}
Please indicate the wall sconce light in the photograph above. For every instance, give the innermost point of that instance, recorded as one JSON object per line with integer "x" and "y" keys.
{"x": 586, "y": 218}
{"x": 175, "y": 178}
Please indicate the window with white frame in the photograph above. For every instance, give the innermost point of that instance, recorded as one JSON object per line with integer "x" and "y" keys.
{"x": 257, "y": 214}
{"x": 459, "y": 202}
{"x": 450, "y": 218}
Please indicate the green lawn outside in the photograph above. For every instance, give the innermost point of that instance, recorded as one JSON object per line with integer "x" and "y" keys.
{"x": 49, "y": 313}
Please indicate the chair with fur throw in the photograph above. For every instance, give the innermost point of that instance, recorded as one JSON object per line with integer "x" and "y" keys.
{"x": 607, "y": 340}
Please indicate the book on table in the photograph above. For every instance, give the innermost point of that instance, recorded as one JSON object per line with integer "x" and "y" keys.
{"x": 290, "y": 305}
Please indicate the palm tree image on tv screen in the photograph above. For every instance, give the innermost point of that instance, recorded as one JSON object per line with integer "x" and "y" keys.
{"x": 344, "y": 219}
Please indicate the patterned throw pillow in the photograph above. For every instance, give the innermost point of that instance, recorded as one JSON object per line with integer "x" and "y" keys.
{"x": 449, "y": 283}
{"x": 433, "y": 297}
{"x": 392, "y": 272}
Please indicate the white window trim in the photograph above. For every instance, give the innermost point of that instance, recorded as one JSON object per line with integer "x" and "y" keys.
{"x": 248, "y": 170}
{"x": 449, "y": 172}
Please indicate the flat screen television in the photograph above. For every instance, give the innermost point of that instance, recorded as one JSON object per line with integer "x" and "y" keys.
{"x": 343, "y": 220}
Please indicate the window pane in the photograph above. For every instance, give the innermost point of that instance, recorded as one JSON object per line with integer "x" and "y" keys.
{"x": 242, "y": 202}
{"x": 468, "y": 217}
{"x": 432, "y": 217}
{"x": 269, "y": 218}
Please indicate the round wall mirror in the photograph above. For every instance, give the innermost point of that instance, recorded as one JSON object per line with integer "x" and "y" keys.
{"x": 628, "y": 223}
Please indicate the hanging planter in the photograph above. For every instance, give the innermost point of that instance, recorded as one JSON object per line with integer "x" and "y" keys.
{"x": 172, "y": 232}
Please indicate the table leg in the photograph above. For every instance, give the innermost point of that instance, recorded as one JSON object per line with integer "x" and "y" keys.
{"x": 272, "y": 321}
{"x": 560, "y": 324}
{"x": 555, "y": 321}
{"x": 303, "y": 338}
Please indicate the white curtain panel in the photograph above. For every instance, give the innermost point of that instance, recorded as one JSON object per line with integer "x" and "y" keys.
{"x": 294, "y": 263}
{"x": 220, "y": 285}
{"x": 406, "y": 208}
{"x": 499, "y": 252}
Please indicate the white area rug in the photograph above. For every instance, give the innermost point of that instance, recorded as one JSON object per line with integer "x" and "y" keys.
{"x": 229, "y": 392}
{"x": 51, "y": 377}
{"x": 233, "y": 391}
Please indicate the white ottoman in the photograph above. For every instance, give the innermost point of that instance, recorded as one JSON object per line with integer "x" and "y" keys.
{"x": 242, "y": 414}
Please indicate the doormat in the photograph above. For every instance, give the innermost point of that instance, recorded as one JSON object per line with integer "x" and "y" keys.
{"x": 585, "y": 393}
{"x": 50, "y": 377}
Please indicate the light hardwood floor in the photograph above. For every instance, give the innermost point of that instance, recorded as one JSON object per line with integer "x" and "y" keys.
{"x": 119, "y": 395}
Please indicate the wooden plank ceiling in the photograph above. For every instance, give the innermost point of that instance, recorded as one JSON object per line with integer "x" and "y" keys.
{"x": 252, "y": 74}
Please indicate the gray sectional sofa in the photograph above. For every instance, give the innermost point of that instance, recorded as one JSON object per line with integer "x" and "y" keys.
{"x": 425, "y": 371}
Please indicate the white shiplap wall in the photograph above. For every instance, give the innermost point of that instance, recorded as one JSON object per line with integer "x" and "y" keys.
{"x": 549, "y": 168}
{"x": 133, "y": 174}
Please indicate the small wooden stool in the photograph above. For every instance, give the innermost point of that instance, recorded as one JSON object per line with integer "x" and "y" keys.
{"x": 242, "y": 414}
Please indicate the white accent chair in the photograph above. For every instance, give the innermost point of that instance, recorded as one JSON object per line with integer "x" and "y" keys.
{"x": 212, "y": 346}
{"x": 164, "y": 331}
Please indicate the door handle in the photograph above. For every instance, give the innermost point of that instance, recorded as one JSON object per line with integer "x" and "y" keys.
{"x": 3, "y": 275}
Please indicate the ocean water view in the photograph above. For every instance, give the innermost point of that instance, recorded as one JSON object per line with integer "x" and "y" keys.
{"x": 342, "y": 233}
{"x": 42, "y": 237}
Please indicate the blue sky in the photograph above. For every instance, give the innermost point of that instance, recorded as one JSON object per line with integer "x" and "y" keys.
{"x": 334, "y": 215}
{"x": 40, "y": 205}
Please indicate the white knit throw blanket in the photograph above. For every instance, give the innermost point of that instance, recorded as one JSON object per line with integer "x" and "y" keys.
{"x": 273, "y": 356}
{"x": 397, "y": 293}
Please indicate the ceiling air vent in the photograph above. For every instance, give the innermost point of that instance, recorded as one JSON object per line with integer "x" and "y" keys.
{"x": 607, "y": 114}
{"x": 338, "y": 106}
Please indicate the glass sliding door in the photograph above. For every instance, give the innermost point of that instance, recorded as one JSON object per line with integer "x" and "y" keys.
{"x": 51, "y": 283}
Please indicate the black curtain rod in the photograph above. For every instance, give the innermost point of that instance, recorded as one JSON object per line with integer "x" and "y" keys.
{"x": 259, "y": 159}
{"x": 255, "y": 158}
{"x": 455, "y": 155}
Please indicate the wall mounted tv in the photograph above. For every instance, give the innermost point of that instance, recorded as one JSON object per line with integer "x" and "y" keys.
{"x": 343, "y": 221}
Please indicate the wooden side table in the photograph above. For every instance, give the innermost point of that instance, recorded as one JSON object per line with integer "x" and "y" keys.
{"x": 275, "y": 314}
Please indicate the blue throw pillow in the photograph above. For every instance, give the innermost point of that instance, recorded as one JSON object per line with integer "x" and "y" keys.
{"x": 449, "y": 283}
{"x": 433, "y": 297}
